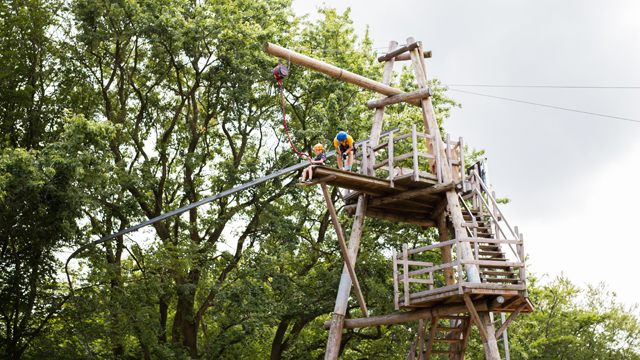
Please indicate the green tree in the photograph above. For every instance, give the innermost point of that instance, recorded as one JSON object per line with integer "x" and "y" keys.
{"x": 40, "y": 205}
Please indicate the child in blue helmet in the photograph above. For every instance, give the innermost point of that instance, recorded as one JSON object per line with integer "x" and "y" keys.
{"x": 344, "y": 149}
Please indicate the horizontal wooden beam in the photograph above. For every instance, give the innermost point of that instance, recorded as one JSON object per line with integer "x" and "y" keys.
{"x": 401, "y": 317}
{"x": 406, "y": 195}
{"x": 332, "y": 71}
{"x": 405, "y": 57}
{"x": 406, "y": 97}
{"x": 392, "y": 217}
{"x": 399, "y": 51}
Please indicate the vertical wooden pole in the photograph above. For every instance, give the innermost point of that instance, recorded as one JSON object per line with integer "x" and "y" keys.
{"x": 464, "y": 249}
{"x": 414, "y": 139}
{"x": 490, "y": 344}
{"x": 405, "y": 270}
{"x": 421, "y": 335}
{"x": 462, "y": 166}
{"x": 395, "y": 279}
{"x": 390, "y": 152}
{"x": 431, "y": 125}
{"x": 447, "y": 257}
{"x": 335, "y": 333}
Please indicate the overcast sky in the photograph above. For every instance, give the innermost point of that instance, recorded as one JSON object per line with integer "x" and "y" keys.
{"x": 572, "y": 177}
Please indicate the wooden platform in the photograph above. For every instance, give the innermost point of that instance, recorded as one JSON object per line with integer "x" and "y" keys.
{"x": 514, "y": 296}
{"x": 419, "y": 206}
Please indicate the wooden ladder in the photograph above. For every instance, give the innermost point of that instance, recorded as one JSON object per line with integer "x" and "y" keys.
{"x": 456, "y": 335}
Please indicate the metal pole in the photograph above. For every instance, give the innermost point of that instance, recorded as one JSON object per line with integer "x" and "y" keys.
{"x": 505, "y": 339}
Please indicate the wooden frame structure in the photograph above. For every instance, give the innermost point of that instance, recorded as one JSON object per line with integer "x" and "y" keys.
{"x": 427, "y": 186}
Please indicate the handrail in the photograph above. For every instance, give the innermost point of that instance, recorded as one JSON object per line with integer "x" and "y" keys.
{"x": 486, "y": 189}
{"x": 495, "y": 219}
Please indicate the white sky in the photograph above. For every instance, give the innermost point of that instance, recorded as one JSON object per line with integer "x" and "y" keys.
{"x": 571, "y": 177}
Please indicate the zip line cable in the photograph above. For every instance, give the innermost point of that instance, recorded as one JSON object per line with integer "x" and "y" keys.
{"x": 548, "y": 106}
{"x": 548, "y": 86}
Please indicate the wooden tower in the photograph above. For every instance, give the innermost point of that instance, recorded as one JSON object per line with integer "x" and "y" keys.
{"x": 479, "y": 278}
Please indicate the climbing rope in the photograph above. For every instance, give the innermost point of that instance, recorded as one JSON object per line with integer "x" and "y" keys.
{"x": 280, "y": 72}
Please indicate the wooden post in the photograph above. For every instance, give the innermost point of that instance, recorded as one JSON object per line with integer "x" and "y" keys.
{"x": 414, "y": 139}
{"x": 490, "y": 345}
{"x": 405, "y": 270}
{"x": 335, "y": 333}
{"x": 390, "y": 153}
{"x": 421, "y": 327}
{"x": 395, "y": 278}
{"x": 343, "y": 246}
{"x": 447, "y": 256}
{"x": 431, "y": 125}
{"x": 462, "y": 166}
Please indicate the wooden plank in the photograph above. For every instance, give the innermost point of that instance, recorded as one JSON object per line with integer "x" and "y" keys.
{"x": 399, "y": 51}
{"x": 395, "y": 278}
{"x": 407, "y": 297}
{"x": 421, "y": 281}
{"x": 359, "y": 178}
{"x": 494, "y": 286}
{"x": 435, "y": 297}
{"x": 435, "y": 291}
{"x": 399, "y": 218}
{"x": 332, "y": 71}
{"x": 491, "y": 241}
{"x": 436, "y": 189}
{"x": 510, "y": 319}
{"x": 476, "y": 318}
{"x": 431, "y": 269}
{"x": 488, "y": 263}
{"x": 418, "y": 94}
{"x": 345, "y": 252}
{"x": 430, "y": 247}
{"x": 419, "y": 263}
{"x": 317, "y": 181}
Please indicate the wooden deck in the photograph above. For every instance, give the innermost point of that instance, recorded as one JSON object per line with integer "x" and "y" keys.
{"x": 418, "y": 207}
{"x": 513, "y": 295}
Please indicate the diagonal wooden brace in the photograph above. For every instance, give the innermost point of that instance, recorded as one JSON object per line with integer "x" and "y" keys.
{"x": 343, "y": 247}
{"x": 510, "y": 319}
{"x": 476, "y": 318}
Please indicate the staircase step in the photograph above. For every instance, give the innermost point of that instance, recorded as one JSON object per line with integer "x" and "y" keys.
{"x": 453, "y": 341}
{"x": 444, "y": 352}
{"x": 498, "y": 280}
{"x": 495, "y": 266}
{"x": 504, "y": 273}
{"x": 490, "y": 253}
{"x": 438, "y": 328}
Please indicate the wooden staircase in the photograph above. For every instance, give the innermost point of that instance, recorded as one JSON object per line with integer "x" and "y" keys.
{"x": 486, "y": 251}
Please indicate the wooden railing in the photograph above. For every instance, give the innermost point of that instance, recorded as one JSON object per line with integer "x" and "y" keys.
{"x": 369, "y": 164}
{"x": 425, "y": 272}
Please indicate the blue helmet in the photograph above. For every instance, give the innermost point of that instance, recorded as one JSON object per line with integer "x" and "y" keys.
{"x": 342, "y": 136}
